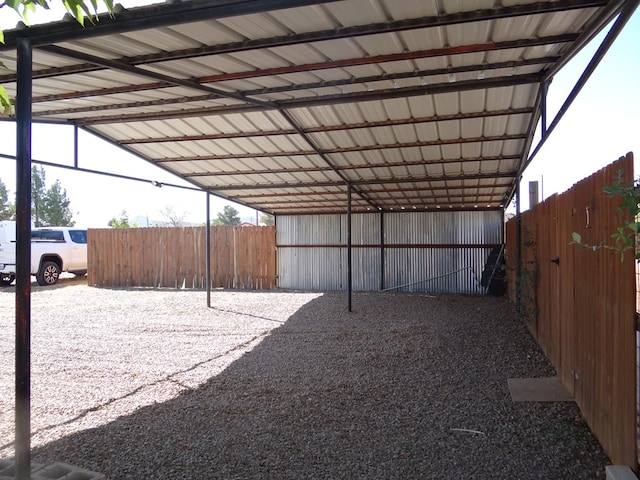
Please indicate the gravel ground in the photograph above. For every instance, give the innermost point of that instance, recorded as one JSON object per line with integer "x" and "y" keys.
{"x": 151, "y": 384}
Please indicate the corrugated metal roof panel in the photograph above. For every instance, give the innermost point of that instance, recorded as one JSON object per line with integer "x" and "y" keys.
{"x": 387, "y": 95}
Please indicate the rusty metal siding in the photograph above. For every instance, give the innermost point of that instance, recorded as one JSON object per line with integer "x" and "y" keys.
{"x": 424, "y": 251}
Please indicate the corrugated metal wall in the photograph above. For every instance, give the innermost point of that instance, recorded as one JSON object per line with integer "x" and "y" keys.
{"x": 423, "y": 251}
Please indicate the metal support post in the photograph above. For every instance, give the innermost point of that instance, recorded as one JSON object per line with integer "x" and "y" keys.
{"x": 349, "y": 273}
{"x": 382, "y": 282}
{"x": 518, "y": 249}
{"x": 75, "y": 146}
{"x": 23, "y": 261}
{"x": 207, "y": 241}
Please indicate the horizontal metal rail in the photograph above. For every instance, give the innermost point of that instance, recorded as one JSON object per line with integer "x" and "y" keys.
{"x": 432, "y": 278}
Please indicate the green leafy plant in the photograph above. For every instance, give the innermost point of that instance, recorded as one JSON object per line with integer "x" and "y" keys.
{"x": 625, "y": 236}
{"x": 78, "y": 9}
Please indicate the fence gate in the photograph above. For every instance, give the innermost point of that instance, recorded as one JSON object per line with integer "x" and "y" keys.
{"x": 580, "y": 302}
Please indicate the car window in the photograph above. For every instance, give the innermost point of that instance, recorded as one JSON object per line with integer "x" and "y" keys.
{"x": 78, "y": 236}
{"x": 47, "y": 235}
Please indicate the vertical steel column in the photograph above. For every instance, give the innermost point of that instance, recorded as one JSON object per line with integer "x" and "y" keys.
{"x": 207, "y": 239}
{"x": 382, "y": 282}
{"x": 23, "y": 260}
{"x": 75, "y": 146}
{"x": 625, "y": 15}
{"x": 349, "y": 272}
{"x": 275, "y": 224}
{"x": 518, "y": 249}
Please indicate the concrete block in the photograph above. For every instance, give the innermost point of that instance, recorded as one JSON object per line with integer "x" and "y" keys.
{"x": 8, "y": 471}
{"x": 619, "y": 472}
{"x": 62, "y": 471}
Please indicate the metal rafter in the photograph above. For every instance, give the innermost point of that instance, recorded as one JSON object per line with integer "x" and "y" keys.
{"x": 323, "y": 100}
{"x": 332, "y": 128}
{"x": 342, "y": 193}
{"x": 140, "y": 72}
{"x": 485, "y": 198}
{"x": 548, "y": 60}
{"x": 333, "y": 151}
{"x": 257, "y": 99}
{"x": 144, "y": 18}
{"x": 350, "y": 167}
{"x": 115, "y": 65}
{"x": 379, "y": 181}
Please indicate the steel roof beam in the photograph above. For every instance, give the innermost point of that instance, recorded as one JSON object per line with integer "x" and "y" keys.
{"x": 333, "y": 128}
{"x": 341, "y": 193}
{"x": 360, "y": 166}
{"x": 604, "y": 47}
{"x": 134, "y": 19}
{"x": 394, "y": 57}
{"x": 484, "y": 198}
{"x": 463, "y": 207}
{"x": 549, "y": 60}
{"x": 403, "y": 75}
{"x": 611, "y": 10}
{"x": 405, "y": 92}
{"x": 196, "y": 86}
{"x": 144, "y": 18}
{"x": 333, "y": 151}
{"x": 133, "y": 70}
{"x": 91, "y": 66}
{"x": 380, "y": 181}
{"x": 326, "y": 159}
{"x": 434, "y": 89}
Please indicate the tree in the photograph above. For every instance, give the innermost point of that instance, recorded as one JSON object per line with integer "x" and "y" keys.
{"x": 56, "y": 207}
{"x": 174, "y": 218}
{"x": 229, "y": 216}
{"x": 79, "y": 9}
{"x": 37, "y": 194}
{"x": 7, "y": 209}
{"x": 267, "y": 219}
{"x": 122, "y": 222}
{"x": 49, "y": 207}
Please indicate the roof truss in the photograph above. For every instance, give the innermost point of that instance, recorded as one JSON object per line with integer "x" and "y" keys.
{"x": 286, "y": 105}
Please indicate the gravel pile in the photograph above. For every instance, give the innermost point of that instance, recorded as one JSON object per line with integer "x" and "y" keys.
{"x": 151, "y": 384}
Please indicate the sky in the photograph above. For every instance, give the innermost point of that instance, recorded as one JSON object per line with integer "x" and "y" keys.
{"x": 602, "y": 125}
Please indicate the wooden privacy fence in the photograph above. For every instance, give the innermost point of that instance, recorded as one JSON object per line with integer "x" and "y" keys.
{"x": 580, "y": 302}
{"x": 241, "y": 257}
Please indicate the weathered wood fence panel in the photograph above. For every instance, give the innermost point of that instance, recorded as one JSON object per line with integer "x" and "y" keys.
{"x": 580, "y": 302}
{"x": 241, "y": 257}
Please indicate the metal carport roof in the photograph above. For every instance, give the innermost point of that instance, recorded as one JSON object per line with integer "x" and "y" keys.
{"x": 303, "y": 106}
{"x": 284, "y": 105}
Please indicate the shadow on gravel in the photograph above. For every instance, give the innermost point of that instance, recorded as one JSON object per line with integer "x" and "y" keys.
{"x": 405, "y": 387}
{"x": 66, "y": 280}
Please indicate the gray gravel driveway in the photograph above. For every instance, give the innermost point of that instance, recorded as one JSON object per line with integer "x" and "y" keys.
{"x": 152, "y": 384}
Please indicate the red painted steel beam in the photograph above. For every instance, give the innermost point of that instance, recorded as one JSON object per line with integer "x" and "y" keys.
{"x": 307, "y": 102}
{"x": 359, "y": 166}
{"x": 333, "y": 151}
{"x": 333, "y": 128}
{"x": 395, "y": 57}
{"x": 549, "y": 60}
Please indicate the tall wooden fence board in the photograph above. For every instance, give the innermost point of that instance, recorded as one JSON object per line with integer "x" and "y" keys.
{"x": 241, "y": 257}
{"x": 580, "y": 302}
